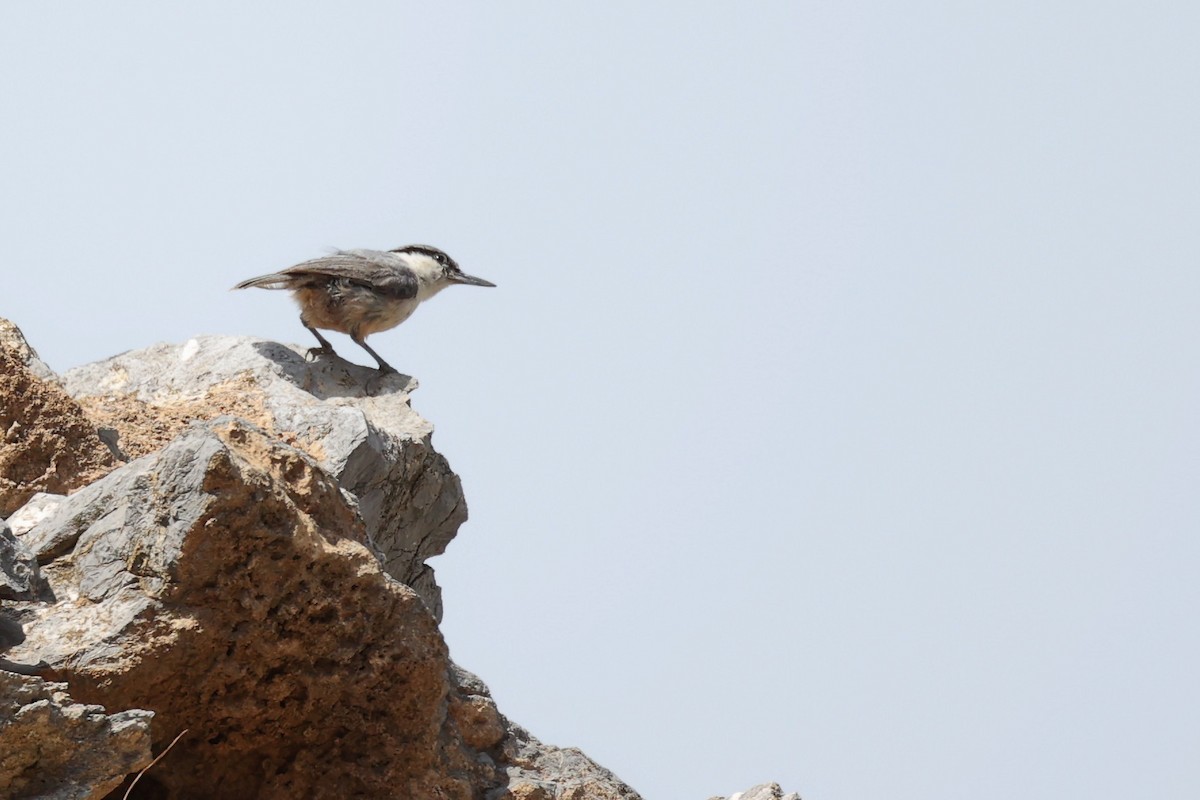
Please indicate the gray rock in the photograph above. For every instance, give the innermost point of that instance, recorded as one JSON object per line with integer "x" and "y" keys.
{"x": 225, "y": 583}
{"x": 18, "y": 569}
{"x": 238, "y": 578}
{"x": 98, "y": 503}
{"x": 376, "y": 447}
{"x": 468, "y": 683}
{"x": 36, "y": 509}
{"x": 764, "y": 791}
{"x": 52, "y": 747}
{"x": 536, "y": 769}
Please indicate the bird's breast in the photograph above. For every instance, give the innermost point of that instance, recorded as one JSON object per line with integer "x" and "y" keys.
{"x": 352, "y": 309}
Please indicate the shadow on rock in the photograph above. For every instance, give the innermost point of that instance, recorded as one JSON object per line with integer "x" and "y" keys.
{"x": 329, "y": 376}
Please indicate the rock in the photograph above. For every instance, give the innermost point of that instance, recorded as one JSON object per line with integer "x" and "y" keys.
{"x": 474, "y": 711}
{"x": 46, "y": 442}
{"x": 229, "y": 588}
{"x": 246, "y": 577}
{"x": 39, "y": 507}
{"x": 376, "y": 447}
{"x": 18, "y": 569}
{"x": 764, "y": 791}
{"x": 562, "y": 773}
{"x": 51, "y": 747}
{"x": 13, "y": 340}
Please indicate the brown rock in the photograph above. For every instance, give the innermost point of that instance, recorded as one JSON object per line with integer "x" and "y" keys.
{"x": 46, "y": 442}
{"x": 236, "y": 599}
{"x": 478, "y": 720}
{"x": 51, "y": 746}
{"x": 260, "y": 581}
{"x": 376, "y": 446}
{"x": 527, "y": 791}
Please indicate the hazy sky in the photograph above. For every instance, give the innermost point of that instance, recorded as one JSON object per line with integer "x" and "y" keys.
{"x": 836, "y": 420}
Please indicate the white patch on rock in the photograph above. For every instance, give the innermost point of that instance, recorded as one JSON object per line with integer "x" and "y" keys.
{"x": 113, "y": 381}
{"x": 40, "y": 507}
{"x": 189, "y": 349}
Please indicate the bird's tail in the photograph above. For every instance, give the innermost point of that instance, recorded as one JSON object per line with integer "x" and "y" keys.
{"x": 276, "y": 280}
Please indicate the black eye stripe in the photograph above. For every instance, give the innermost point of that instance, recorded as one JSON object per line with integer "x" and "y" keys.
{"x": 443, "y": 259}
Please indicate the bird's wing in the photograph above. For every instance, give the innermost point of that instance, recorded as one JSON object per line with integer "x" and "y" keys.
{"x": 360, "y": 268}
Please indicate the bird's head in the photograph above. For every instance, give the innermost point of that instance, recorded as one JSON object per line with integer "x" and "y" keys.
{"x": 434, "y": 269}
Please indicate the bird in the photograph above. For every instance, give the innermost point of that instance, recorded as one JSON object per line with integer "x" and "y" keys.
{"x": 361, "y": 292}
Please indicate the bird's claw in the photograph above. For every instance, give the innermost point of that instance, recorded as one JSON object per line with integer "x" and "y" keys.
{"x": 375, "y": 382}
{"x": 313, "y": 353}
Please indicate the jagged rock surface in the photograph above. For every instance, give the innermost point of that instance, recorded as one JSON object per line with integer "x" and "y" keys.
{"x": 764, "y": 791}
{"x": 225, "y": 583}
{"x": 51, "y": 747}
{"x": 46, "y": 442}
{"x": 18, "y": 569}
{"x": 376, "y": 447}
{"x": 12, "y": 340}
{"x": 239, "y": 580}
{"x": 40, "y": 507}
{"x": 538, "y": 771}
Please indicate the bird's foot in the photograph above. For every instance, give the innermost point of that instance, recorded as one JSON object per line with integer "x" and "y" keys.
{"x": 376, "y": 381}
{"x": 313, "y": 353}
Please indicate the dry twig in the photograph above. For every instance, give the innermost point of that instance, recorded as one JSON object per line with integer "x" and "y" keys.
{"x": 152, "y": 763}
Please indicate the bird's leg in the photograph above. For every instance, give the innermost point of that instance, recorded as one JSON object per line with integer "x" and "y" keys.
{"x": 326, "y": 349}
{"x": 374, "y": 383}
{"x": 384, "y": 367}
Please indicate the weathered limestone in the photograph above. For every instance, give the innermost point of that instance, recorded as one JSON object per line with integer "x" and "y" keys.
{"x": 37, "y": 508}
{"x": 226, "y": 584}
{"x": 51, "y": 747}
{"x": 537, "y": 770}
{"x": 18, "y": 569}
{"x": 377, "y": 448}
{"x": 250, "y": 569}
{"x": 46, "y": 442}
{"x": 764, "y": 791}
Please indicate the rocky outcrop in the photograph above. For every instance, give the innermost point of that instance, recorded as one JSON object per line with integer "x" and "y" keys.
{"x": 53, "y": 747}
{"x": 377, "y": 448}
{"x": 255, "y": 574}
{"x": 18, "y": 569}
{"x": 226, "y": 582}
{"x": 47, "y": 444}
{"x": 538, "y": 771}
{"x": 764, "y": 791}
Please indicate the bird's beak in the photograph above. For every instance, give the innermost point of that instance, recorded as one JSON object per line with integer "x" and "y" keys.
{"x": 471, "y": 280}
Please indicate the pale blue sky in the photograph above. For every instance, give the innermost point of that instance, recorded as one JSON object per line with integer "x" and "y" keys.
{"x": 835, "y": 419}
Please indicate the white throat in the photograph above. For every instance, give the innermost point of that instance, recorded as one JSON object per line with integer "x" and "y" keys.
{"x": 430, "y": 277}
